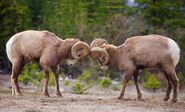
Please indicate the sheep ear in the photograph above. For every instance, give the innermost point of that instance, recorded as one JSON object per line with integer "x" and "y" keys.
{"x": 80, "y": 47}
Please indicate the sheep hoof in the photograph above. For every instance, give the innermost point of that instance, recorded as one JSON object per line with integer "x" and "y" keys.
{"x": 13, "y": 93}
{"x": 173, "y": 101}
{"x": 139, "y": 99}
{"x": 59, "y": 94}
{"x": 46, "y": 94}
{"x": 18, "y": 94}
{"x": 166, "y": 99}
{"x": 119, "y": 98}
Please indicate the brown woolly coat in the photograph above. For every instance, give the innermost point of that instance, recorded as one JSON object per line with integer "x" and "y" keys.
{"x": 43, "y": 47}
{"x": 140, "y": 52}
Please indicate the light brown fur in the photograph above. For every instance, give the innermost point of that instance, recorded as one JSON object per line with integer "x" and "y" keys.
{"x": 141, "y": 52}
{"x": 42, "y": 47}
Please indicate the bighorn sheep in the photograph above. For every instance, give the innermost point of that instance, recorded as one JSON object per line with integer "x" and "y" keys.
{"x": 44, "y": 48}
{"x": 141, "y": 52}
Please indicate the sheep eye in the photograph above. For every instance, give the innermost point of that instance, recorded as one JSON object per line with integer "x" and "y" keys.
{"x": 78, "y": 55}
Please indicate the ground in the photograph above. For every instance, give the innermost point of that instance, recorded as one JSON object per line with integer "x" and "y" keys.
{"x": 96, "y": 100}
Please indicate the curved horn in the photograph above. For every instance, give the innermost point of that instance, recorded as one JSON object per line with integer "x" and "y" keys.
{"x": 80, "y": 49}
{"x": 98, "y": 42}
{"x": 100, "y": 54}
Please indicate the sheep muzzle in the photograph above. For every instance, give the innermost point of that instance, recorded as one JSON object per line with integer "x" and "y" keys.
{"x": 104, "y": 68}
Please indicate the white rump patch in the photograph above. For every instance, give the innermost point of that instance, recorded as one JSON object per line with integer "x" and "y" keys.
{"x": 9, "y": 47}
{"x": 174, "y": 51}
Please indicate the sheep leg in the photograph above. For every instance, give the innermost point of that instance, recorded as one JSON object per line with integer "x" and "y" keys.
{"x": 169, "y": 88}
{"x": 12, "y": 82}
{"x": 46, "y": 80}
{"x": 170, "y": 72}
{"x": 175, "y": 82}
{"x": 127, "y": 77}
{"x": 16, "y": 70}
{"x": 136, "y": 81}
{"x": 55, "y": 70}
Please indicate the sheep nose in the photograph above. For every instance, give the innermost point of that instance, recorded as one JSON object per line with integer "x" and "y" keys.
{"x": 104, "y": 68}
{"x": 70, "y": 64}
{"x": 78, "y": 55}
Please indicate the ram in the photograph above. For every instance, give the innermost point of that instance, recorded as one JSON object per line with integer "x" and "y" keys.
{"x": 44, "y": 48}
{"x": 139, "y": 52}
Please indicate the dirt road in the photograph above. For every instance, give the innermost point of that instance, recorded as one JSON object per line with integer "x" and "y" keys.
{"x": 94, "y": 101}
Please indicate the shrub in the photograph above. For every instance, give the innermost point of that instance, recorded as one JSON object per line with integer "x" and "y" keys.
{"x": 152, "y": 83}
{"x": 30, "y": 73}
{"x": 85, "y": 77}
{"x": 66, "y": 82}
{"x": 181, "y": 79}
{"x": 105, "y": 82}
{"x": 80, "y": 88}
{"x": 115, "y": 87}
{"x": 51, "y": 79}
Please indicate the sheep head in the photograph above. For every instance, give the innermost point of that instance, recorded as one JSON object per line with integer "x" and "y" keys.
{"x": 98, "y": 42}
{"x": 101, "y": 55}
{"x": 79, "y": 50}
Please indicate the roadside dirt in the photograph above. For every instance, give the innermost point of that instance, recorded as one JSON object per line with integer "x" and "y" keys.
{"x": 96, "y": 100}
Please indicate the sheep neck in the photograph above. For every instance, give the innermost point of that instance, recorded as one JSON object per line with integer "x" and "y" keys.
{"x": 64, "y": 51}
{"x": 113, "y": 53}
{"x": 119, "y": 58}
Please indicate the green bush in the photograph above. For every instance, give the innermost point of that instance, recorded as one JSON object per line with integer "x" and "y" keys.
{"x": 85, "y": 77}
{"x": 80, "y": 88}
{"x": 66, "y": 82}
{"x": 152, "y": 83}
{"x": 105, "y": 82}
{"x": 181, "y": 79}
{"x": 31, "y": 73}
{"x": 51, "y": 79}
{"x": 115, "y": 87}
{"x": 25, "y": 78}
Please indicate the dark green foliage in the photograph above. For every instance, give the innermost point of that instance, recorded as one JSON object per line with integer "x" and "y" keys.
{"x": 12, "y": 20}
{"x": 163, "y": 12}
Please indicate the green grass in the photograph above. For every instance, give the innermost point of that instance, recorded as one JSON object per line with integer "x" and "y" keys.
{"x": 105, "y": 82}
{"x": 32, "y": 74}
{"x": 80, "y": 88}
{"x": 152, "y": 83}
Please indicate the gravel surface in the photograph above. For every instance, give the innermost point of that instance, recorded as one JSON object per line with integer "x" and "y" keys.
{"x": 96, "y": 100}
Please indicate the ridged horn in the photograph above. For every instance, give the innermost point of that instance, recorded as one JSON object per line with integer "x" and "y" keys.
{"x": 100, "y": 54}
{"x": 98, "y": 42}
{"x": 80, "y": 49}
